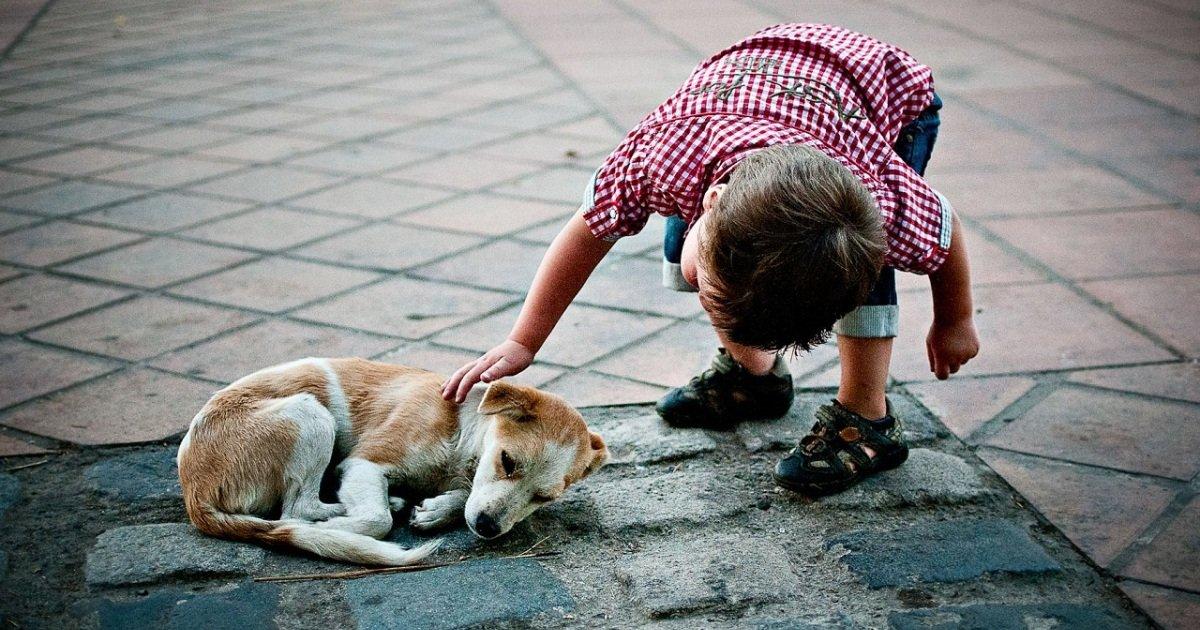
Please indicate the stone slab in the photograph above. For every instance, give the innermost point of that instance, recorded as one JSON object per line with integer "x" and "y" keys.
{"x": 945, "y": 551}
{"x": 927, "y": 478}
{"x": 650, "y": 502}
{"x": 471, "y": 594}
{"x": 919, "y": 426}
{"x": 245, "y": 605}
{"x": 10, "y": 492}
{"x": 646, "y": 439}
{"x": 1010, "y": 617}
{"x": 727, "y": 571}
{"x": 144, "y": 554}
{"x": 142, "y": 477}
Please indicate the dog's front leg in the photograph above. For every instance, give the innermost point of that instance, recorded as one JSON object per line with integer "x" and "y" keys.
{"x": 440, "y": 511}
{"x": 364, "y": 492}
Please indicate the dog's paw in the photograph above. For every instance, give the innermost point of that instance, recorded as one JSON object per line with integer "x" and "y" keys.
{"x": 397, "y": 504}
{"x": 435, "y": 513}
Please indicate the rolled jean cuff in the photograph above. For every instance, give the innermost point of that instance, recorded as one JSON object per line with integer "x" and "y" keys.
{"x": 873, "y": 321}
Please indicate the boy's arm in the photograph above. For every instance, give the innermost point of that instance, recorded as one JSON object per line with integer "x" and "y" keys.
{"x": 952, "y": 340}
{"x": 568, "y": 263}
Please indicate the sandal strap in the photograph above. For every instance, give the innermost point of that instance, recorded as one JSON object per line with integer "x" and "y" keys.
{"x": 841, "y": 431}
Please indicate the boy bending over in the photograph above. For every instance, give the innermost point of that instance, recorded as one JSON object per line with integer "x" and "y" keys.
{"x": 790, "y": 166}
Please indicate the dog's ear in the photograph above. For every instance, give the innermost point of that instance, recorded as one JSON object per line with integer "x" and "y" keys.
{"x": 599, "y": 453}
{"x": 506, "y": 399}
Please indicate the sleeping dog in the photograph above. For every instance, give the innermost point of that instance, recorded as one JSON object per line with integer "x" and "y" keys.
{"x": 252, "y": 460}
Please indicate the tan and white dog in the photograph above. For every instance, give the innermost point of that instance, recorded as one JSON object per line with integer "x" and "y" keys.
{"x": 252, "y": 461}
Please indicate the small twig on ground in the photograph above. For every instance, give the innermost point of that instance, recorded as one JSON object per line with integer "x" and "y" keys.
{"x": 29, "y": 465}
{"x": 357, "y": 573}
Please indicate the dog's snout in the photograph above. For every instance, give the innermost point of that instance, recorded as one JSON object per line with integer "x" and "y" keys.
{"x": 486, "y": 526}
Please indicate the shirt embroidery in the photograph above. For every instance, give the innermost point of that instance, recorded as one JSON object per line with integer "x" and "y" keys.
{"x": 790, "y": 86}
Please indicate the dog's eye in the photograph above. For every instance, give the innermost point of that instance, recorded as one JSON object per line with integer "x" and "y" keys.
{"x": 542, "y": 498}
{"x": 510, "y": 466}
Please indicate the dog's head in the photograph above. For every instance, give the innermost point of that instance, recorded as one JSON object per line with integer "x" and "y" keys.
{"x": 535, "y": 447}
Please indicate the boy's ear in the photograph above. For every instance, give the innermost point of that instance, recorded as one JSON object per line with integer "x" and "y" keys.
{"x": 506, "y": 399}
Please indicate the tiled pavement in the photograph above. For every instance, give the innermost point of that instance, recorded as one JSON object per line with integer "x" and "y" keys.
{"x": 187, "y": 193}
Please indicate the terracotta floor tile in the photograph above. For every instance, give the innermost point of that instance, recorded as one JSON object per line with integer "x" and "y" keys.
{"x": 446, "y": 361}
{"x": 177, "y": 138}
{"x": 1024, "y": 328}
{"x": 266, "y": 184}
{"x": 557, "y": 185}
{"x": 98, "y": 128}
{"x": 1111, "y": 244}
{"x": 360, "y": 158}
{"x": 230, "y": 357}
{"x": 14, "y": 183}
{"x": 551, "y": 149}
{"x": 501, "y": 265}
{"x": 1093, "y": 427}
{"x": 636, "y": 284}
{"x": 1169, "y": 608}
{"x": 388, "y": 246}
{"x": 1172, "y": 380}
{"x": 143, "y": 327}
{"x": 405, "y": 308}
{"x": 169, "y": 172}
{"x": 1101, "y": 511}
{"x": 15, "y": 148}
{"x": 127, "y": 407}
{"x": 57, "y": 241}
{"x": 371, "y": 198}
{"x": 990, "y": 264}
{"x": 270, "y": 229}
{"x": 11, "y": 447}
{"x": 262, "y": 148}
{"x": 36, "y": 299}
{"x": 582, "y": 335}
{"x": 156, "y": 262}
{"x": 274, "y": 284}
{"x": 265, "y": 117}
{"x": 1040, "y": 191}
{"x": 1174, "y": 175}
{"x": 465, "y": 171}
{"x": 1173, "y": 557}
{"x": 487, "y": 214}
{"x": 965, "y": 405}
{"x": 445, "y": 136}
{"x": 69, "y": 197}
{"x": 669, "y": 358}
{"x": 587, "y": 389}
{"x": 164, "y": 212}
{"x": 33, "y": 370}
{"x": 83, "y": 160}
{"x": 1163, "y": 305}
{"x": 347, "y": 126}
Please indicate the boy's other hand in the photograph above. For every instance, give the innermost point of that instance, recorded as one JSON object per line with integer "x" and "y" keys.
{"x": 505, "y": 359}
{"x": 950, "y": 346}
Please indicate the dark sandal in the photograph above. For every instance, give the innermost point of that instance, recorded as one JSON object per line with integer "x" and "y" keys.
{"x": 831, "y": 458}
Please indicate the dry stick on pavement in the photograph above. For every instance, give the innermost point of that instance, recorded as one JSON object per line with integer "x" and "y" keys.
{"x": 29, "y": 465}
{"x": 357, "y": 573}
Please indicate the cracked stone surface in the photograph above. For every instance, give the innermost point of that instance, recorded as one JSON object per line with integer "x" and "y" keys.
{"x": 142, "y": 554}
{"x": 646, "y": 439}
{"x": 927, "y": 478}
{"x": 672, "y": 577}
{"x": 649, "y": 502}
{"x": 137, "y": 477}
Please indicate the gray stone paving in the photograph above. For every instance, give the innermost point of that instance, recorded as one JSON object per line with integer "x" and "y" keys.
{"x": 142, "y": 477}
{"x": 927, "y": 478}
{"x": 675, "y": 497}
{"x": 143, "y": 554}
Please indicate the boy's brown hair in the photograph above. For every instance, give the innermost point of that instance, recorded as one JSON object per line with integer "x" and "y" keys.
{"x": 793, "y": 244}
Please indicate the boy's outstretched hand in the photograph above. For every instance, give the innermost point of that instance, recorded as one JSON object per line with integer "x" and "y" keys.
{"x": 505, "y": 359}
{"x": 950, "y": 346}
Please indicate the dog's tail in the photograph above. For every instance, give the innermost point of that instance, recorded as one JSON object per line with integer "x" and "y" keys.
{"x": 335, "y": 544}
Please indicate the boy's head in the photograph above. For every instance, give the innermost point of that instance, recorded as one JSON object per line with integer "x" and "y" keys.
{"x": 790, "y": 245}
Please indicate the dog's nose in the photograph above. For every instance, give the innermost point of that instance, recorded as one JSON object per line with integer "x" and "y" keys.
{"x": 486, "y": 526}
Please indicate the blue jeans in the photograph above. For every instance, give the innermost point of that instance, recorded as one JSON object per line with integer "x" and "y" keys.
{"x": 879, "y": 315}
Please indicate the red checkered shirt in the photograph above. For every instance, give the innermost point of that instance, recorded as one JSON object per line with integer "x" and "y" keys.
{"x": 837, "y": 91}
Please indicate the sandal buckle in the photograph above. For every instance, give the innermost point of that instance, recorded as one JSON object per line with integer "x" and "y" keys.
{"x": 850, "y": 434}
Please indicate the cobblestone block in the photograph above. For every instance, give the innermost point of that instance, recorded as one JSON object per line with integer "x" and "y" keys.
{"x": 1006, "y": 617}
{"x": 919, "y": 426}
{"x": 839, "y": 621}
{"x": 927, "y": 478}
{"x": 481, "y": 593}
{"x": 246, "y": 605}
{"x": 144, "y": 554}
{"x": 10, "y": 492}
{"x": 649, "y": 502}
{"x": 142, "y": 477}
{"x": 728, "y": 571}
{"x": 646, "y": 439}
{"x": 948, "y": 551}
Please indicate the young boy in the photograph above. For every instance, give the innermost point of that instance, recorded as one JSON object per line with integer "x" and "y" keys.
{"x": 790, "y": 168}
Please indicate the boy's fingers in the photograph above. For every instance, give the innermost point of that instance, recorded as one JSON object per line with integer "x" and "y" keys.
{"x": 498, "y": 370}
{"x": 472, "y": 377}
{"x": 450, "y": 388}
